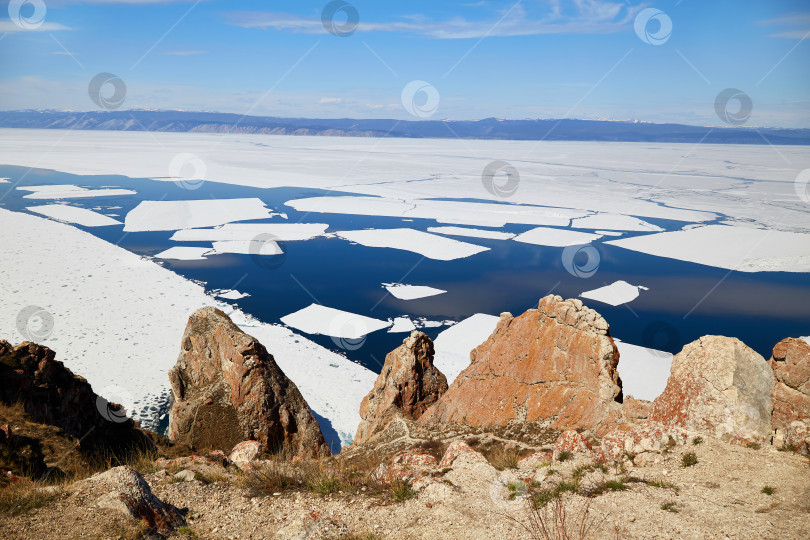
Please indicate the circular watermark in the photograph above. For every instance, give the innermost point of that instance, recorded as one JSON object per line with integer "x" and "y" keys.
{"x": 581, "y": 261}
{"x": 27, "y": 14}
{"x": 802, "y": 185}
{"x": 661, "y": 337}
{"x": 503, "y": 189}
{"x": 742, "y": 420}
{"x": 190, "y": 169}
{"x": 348, "y": 327}
{"x": 35, "y": 323}
{"x": 267, "y": 251}
{"x": 420, "y": 99}
{"x": 340, "y": 18}
{"x": 653, "y": 26}
{"x": 506, "y": 493}
{"x": 727, "y": 113}
{"x": 110, "y": 404}
{"x": 99, "y": 91}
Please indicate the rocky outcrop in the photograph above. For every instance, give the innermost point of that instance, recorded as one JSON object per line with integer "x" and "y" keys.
{"x": 720, "y": 387}
{"x": 555, "y": 365}
{"x": 226, "y": 388}
{"x": 125, "y": 490}
{"x": 51, "y": 394}
{"x": 790, "y": 420}
{"x": 408, "y": 384}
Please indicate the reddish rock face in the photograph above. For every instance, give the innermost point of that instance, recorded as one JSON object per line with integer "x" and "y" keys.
{"x": 408, "y": 384}
{"x": 51, "y": 394}
{"x": 226, "y": 388}
{"x": 791, "y": 394}
{"x": 639, "y": 438}
{"x": 555, "y": 364}
{"x": 571, "y": 442}
{"x": 720, "y": 387}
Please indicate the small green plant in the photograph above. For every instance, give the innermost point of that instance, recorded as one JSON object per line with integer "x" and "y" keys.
{"x": 186, "y": 532}
{"x": 670, "y": 507}
{"x": 768, "y": 490}
{"x": 689, "y": 459}
{"x": 697, "y": 440}
{"x": 324, "y": 484}
{"x": 401, "y": 490}
{"x": 564, "y": 456}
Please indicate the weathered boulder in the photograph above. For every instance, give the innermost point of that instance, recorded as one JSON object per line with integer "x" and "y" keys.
{"x": 555, "y": 364}
{"x": 226, "y": 388}
{"x": 720, "y": 387}
{"x": 408, "y": 384}
{"x": 459, "y": 449}
{"x": 406, "y": 467}
{"x": 571, "y": 442}
{"x": 245, "y": 452}
{"x": 123, "y": 489}
{"x": 49, "y": 393}
{"x": 645, "y": 437}
{"x": 790, "y": 420}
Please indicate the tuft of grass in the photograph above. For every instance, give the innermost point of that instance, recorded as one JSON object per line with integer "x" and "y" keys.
{"x": 401, "y": 490}
{"x": 768, "y": 490}
{"x": 689, "y": 459}
{"x": 697, "y": 440}
{"x": 186, "y": 532}
{"x": 565, "y": 456}
{"x": 23, "y": 497}
{"x": 502, "y": 458}
{"x": 753, "y": 445}
{"x": 652, "y": 482}
{"x": 670, "y": 507}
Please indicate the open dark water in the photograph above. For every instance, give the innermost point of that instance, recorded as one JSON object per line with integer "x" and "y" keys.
{"x": 684, "y": 301}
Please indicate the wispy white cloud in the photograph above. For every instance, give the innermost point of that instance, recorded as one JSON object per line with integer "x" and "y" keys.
{"x": 330, "y": 101}
{"x": 588, "y": 17}
{"x": 9, "y": 27}
{"x": 795, "y": 26}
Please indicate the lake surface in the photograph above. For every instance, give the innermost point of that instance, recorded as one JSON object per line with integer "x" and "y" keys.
{"x": 684, "y": 300}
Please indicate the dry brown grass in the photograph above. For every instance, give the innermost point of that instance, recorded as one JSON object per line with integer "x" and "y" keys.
{"x": 562, "y": 519}
{"x": 23, "y": 497}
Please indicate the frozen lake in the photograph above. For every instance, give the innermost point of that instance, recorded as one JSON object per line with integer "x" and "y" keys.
{"x": 321, "y": 234}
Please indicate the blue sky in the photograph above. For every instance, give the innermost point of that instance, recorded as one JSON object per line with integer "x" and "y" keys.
{"x": 527, "y": 59}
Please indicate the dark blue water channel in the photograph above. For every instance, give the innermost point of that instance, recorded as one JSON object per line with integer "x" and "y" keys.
{"x": 684, "y": 300}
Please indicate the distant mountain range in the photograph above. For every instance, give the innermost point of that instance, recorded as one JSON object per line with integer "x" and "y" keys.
{"x": 488, "y": 128}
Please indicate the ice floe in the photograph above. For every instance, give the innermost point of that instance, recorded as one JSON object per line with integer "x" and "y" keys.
{"x": 443, "y": 211}
{"x": 229, "y": 294}
{"x": 248, "y": 247}
{"x": 71, "y": 192}
{"x": 175, "y": 215}
{"x": 453, "y": 345}
{"x": 644, "y": 372}
{"x": 429, "y": 245}
{"x": 402, "y": 324}
{"x": 4, "y": 180}
{"x": 318, "y": 319}
{"x": 544, "y": 236}
{"x": 617, "y": 293}
{"x": 117, "y": 320}
{"x": 411, "y": 292}
{"x": 184, "y": 253}
{"x": 614, "y": 222}
{"x": 74, "y": 214}
{"x": 474, "y": 233}
{"x": 734, "y": 248}
{"x": 249, "y": 231}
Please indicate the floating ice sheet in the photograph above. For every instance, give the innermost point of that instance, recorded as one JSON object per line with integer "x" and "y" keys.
{"x": 230, "y": 294}
{"x": 615, "y": 222}
{"x": 617, "y": 293}
{"x": 402, "y": 324}
{"x": 184, "y": 253}
{"x": 453, "y": 346}
{"x": 248, "y": 247}
{"x": 644, "y": 372}
{"x": 443, "y": 211}
{"x": 74, "y": 214}
{"x": 71, "y": 192}
{"x": 473, "y": 233}
{"x": 249, "y": 231}
{"x": 735, "y": 248}
{"x": 426, "y": 244}
{"x": 175, "y": 215}
{"x": 318, "y": 319}
{"x": 411, "y": 292}
{"x": 544, "y": 236}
